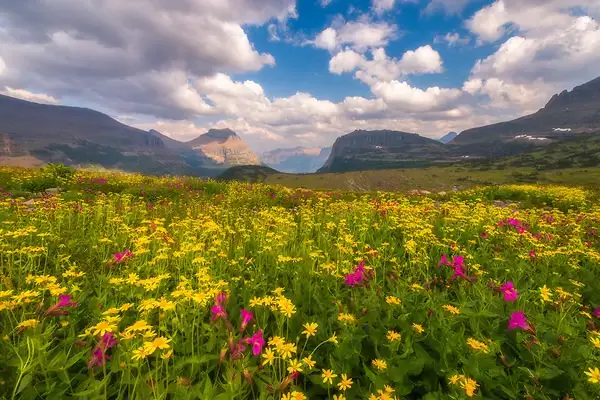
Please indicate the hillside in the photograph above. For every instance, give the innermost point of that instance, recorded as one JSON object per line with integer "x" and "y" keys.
{"x": 33, "y": 134}
{"x": 297, "y": 159}
{"x": 566, "y": 114}
{"x": 224, "y": 146}
{"x": 247, "y": 173}
{"x": 360, "y": 150}
{"x": 448, "y": 137}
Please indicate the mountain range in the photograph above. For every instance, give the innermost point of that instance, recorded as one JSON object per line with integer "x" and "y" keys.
{"x": 297, "y": 159}
{"x": 568, "y": 116}
{"x": 34, "y": 134}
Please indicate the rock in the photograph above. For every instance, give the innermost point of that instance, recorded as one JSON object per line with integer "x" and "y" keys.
{"x": 424, "y": 192}
{"x": 53, "y": 191}
{"x": 29, "y": 203}
{"x": 442, "y": 193}
{"x": 412, "y": 193}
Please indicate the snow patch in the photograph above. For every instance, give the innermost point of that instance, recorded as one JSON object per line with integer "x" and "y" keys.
{"x": 561, "y": 129}
{"x": 530, "y": 137}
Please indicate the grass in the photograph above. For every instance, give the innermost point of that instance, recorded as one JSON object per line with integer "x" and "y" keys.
{"x": 139, "y": 287}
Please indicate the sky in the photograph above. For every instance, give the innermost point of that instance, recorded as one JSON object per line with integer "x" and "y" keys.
{"x": 286, "y": 73}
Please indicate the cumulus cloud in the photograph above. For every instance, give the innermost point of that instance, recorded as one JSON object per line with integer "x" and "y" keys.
{"x": 453, "y": 39}
{"x": 109, "y": 49}
{"x": 380, "y": 6}
{"x": 360, "y": 35}
{"x": 29, "y": 96}
{"x": 446, "y": 6}
{"x": 550, "y": 48}
{"x": 423, "y": 60}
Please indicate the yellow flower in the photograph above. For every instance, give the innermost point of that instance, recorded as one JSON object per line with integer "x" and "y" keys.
{"x": 418, "y": 328}
{"x": 339, "y": 397}
{"x": 310, "y": 329}
{"x": 167, "y": 355}
{"x": 276, "y": 341}
{"x": 310, "y": 363}
{"x": 30, "y": 323}
{"x": 279, "y": 291}
{"x": 165, "y": 305}
{"x": 346, "y": 318}
{"x": 158, "y": 343}
{"x": 103, "y": 327}
{"x": 139, "y": 326}
{"x": 594, "y": 375}
{"x": 455, "y": 378}
{"x": 111, "y": 311}
{"x": 269, "y": 357}
{"x": 345, "y": 383}
{"x": 451, "y": 309}
{"x": 286, "y": 350}
{"x": 295, "y": 366}
{"x": 379, "y": 364}
{"x": 333, "y": 339}
{"x": 596, "y": 342}
{"x": 328, "y": 375}
{"x": 392, "y": 300}
{"x": 297, "y": 396}
{"x": 477, "y": 345}
{"x": 127, "y": 335}
{"x": 470, "y": 386}
{"x": 140, "y": 353}
{"x": 126, "y": 307}
{"x": 546, "y": 293}
{"x": 393, "y": 336}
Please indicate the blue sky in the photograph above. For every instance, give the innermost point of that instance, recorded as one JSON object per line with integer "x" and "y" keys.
{"x": 284, "y": 73}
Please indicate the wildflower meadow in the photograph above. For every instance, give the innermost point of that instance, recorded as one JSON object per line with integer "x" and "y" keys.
{"x": 116, "y": 286}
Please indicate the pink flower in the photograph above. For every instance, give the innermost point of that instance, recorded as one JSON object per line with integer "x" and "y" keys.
{"x": 257, "y": 341}
{"x": 98, "y": 358}
{"x": 484, "y": 235}
{"x": 121, "y": 257}
{"x": 246, "y": 318}
{"x": 597, "y": 312}
{"x": 218, "y": 312}
{"x": 221, "y": 298}
{"x": 64, "y": 301}
{"x": 517, "y": 320}
{"x": 459, "y": 270}
{"x": 532, "y": 254}
{"x": 443, "y": 261}
{"x": 510, "y": 293}
{"x": 356, "y": 277}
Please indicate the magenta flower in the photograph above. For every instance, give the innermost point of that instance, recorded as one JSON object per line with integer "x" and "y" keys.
{"x": 64, "y": 301}
{"x": 98, "y": 358}
{"x": 510, "y": 293}
{"x": 517, "y": 320}
{"x": 443, "y": 261}
{"x": 121, "y": 257}
{"x": 484, "y": 235}
{"x": 356, "y": 277}
{"x": 257, "y": 341}
{"x": 532, "y": 254}
{"x": 597, "y": 312}
{"x": 246, "y": 318}
{"x": 459, "y": 271}
{"x": 218, "y": 312}
{"x": 221, "y": 298}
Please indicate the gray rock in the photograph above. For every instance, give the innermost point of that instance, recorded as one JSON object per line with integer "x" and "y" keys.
{"x": 53, "y": 191}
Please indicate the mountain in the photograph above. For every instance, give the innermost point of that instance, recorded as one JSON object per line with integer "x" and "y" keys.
{"x": 297, "y": 159}
{"x": 448, "y": 137}
{"x": 33, "y": 134}
{"x": 224, "y": 147}
{"x": 362, "y": 149}
{"x": 566, "y": 114}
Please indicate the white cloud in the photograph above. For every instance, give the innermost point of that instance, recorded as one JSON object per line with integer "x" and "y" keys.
{"x": 2, "y": 66}
{"x": 325, "y": 3}
{"x": 360, "y": 35}
{"x": 119, "y": 52}
{"x": 452, "y": 39}
{"x": 29, "y": 96}
{"x": 380, "y": 67}
{"x": 401, "y": 94}
{"x": 447, "y": 6}
{"x": 380, "y": 6}
{"x": 551, "y": 49}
